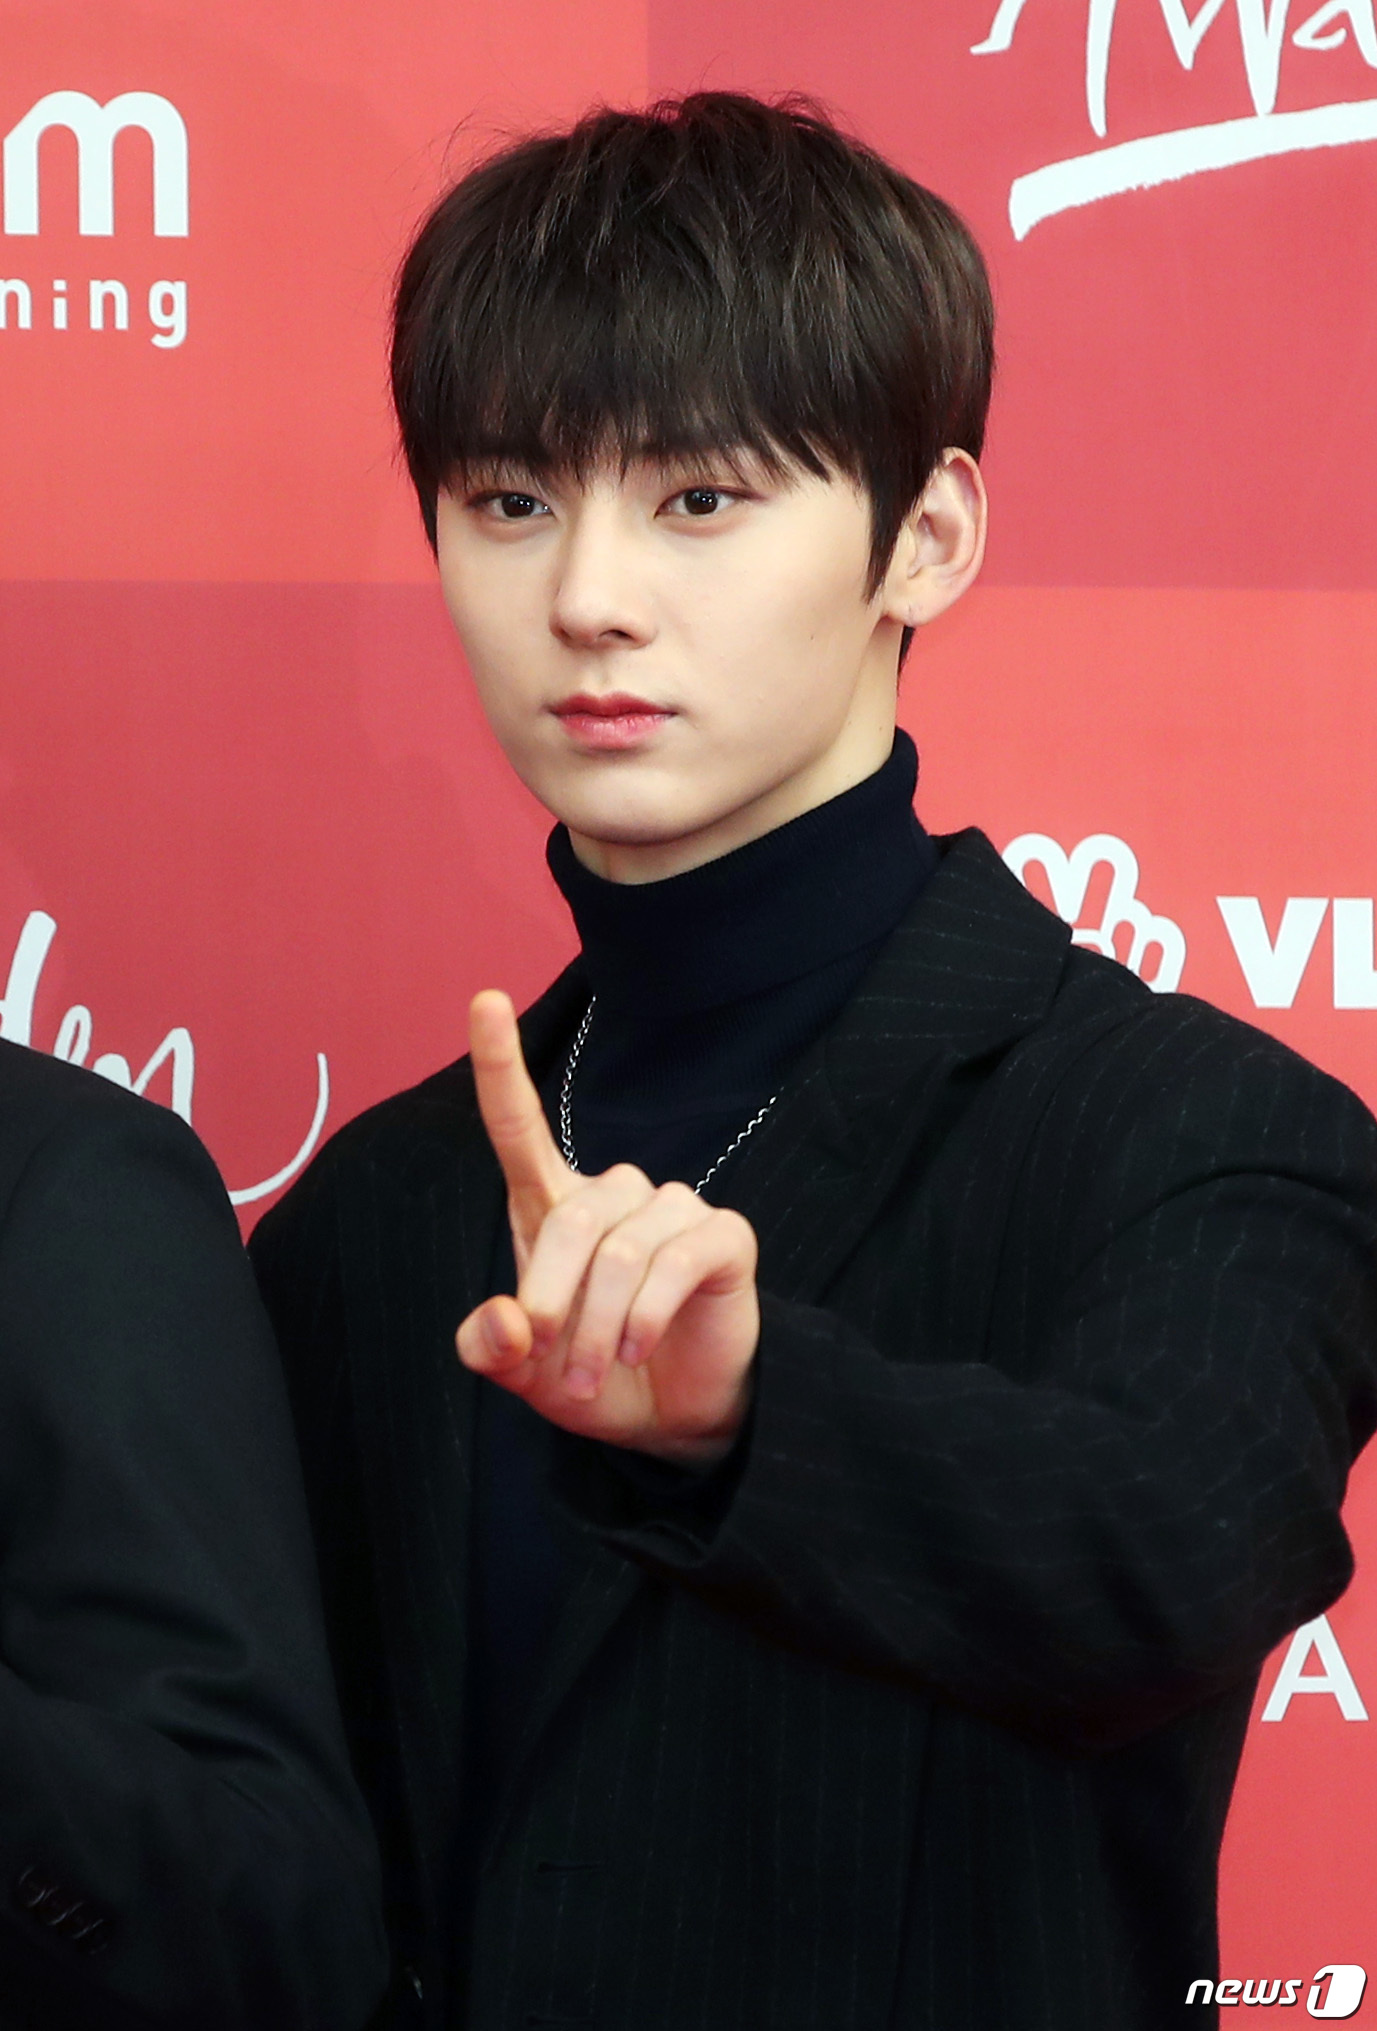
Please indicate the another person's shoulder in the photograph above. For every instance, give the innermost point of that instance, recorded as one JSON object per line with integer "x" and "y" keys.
{"x": 39, "y": 1094}
{"x": 56, "y": 1115}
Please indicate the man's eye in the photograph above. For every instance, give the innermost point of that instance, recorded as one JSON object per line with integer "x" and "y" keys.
{"x": 509, "y": 506}
{"x": 702, "y": 502}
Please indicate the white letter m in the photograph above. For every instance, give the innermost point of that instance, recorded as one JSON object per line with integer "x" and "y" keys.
{"x": 95, "y": 127}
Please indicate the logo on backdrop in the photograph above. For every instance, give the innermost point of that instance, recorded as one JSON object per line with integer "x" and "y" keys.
{"x": 1189, "y": 150}
{"x": 1154, "y": 946}
{"x": 176, "y": 1051}
{"x": 1335, "y": 1991}
{"x": 103, "y": 302}
{"x": 1274, "y": 968}
{"x": 1314, "y": 1639}
{"x": 1141, "y": 935}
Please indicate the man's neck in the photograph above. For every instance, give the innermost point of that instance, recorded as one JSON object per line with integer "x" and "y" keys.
{"x": 858, "y": 755}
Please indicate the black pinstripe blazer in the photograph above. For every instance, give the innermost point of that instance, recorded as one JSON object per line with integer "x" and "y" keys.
{"x": 1070, "y": 1337}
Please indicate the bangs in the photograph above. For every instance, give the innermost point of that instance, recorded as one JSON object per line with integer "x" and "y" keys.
{"x": 604, "y": 391}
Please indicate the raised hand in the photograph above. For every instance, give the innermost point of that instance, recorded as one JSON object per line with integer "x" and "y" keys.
{"x": 635, "y": 1318}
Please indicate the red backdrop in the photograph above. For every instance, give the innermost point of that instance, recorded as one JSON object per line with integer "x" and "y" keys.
{"x": 257, "y": 844}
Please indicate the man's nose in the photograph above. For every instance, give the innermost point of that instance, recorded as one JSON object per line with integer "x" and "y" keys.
{"x": 601, "y": 596}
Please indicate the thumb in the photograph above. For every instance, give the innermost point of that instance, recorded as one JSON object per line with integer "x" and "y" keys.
{"x": 495, "y": 1339}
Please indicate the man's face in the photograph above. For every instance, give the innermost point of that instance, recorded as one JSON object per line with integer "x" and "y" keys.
{"x": 675, "y": 659}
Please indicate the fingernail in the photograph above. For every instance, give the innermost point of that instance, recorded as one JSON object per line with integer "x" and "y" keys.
{"x": 581, "y": 1383}
{"x": 629, "y": 1353}
{"x": 494, "y": 1334}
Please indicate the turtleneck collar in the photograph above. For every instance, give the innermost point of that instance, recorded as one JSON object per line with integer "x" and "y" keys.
{"x": 827, "y": 883}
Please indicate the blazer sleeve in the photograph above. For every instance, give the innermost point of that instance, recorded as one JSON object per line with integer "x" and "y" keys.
{"x": 181, "y": 1844}
{"x": 1120, "y": 1516}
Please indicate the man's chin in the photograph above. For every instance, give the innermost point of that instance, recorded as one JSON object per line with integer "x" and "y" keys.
{"x": 640, "y": 844}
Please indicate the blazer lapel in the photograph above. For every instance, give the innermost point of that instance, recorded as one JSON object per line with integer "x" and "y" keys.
{"x": 414, "y": 1410}
{"x": 971, "y": 968}
{"x": 416, "y": 1261}
{"x": 604, "y": 1586}
{"x": 604, "y": 1583}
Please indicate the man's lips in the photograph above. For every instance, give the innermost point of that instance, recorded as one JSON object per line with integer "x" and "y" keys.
{"x": 613, "y": 720}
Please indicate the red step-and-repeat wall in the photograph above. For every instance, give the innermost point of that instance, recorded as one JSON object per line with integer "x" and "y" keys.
{"x": 257, "y": 847}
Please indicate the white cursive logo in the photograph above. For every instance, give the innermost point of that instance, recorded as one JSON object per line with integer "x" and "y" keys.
{"x": 1190, "y": 151}
{"x": 176, "y": 1051}
{"x": 1069, "y": 876}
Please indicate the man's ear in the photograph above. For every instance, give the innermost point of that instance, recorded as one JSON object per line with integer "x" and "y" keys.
{"x": 941, "y": 545}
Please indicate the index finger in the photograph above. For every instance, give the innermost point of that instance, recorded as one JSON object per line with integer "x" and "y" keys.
{"x": 509, "y": 1103}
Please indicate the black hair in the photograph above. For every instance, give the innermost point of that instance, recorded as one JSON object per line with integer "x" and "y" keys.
{"x": 713, "y": 274}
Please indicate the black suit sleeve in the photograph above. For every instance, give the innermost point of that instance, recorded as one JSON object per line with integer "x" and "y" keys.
{"x": 1126, "y": 1512}
{"x": 181, "y": 1845}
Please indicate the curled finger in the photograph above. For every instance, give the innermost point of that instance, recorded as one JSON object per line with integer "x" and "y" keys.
{"x": 620, "y": 1263}
{"x": 563, "y": 1249}
{"x": 715, "y": 1258}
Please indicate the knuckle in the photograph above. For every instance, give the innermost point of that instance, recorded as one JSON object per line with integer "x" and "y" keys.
{"x": 628, "y": 1176}
{"x": 621, "y": 1251}
{"x": 677, "y": 1260}
{"x": 574, "y": 1217}
{"x": 678, "y": 1195}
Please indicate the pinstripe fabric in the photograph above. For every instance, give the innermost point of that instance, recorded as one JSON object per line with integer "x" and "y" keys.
{"x": 1070, "y": 1335}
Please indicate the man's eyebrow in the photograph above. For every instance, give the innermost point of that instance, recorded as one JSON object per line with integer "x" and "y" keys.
{"x": 743, "y": 463}
{"x": 740, "y": 461}
{"x": 488, "y": 469}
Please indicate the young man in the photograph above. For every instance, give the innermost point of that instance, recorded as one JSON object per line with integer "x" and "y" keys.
{"x": 181, "y": 1845}
{"x": 907, "y": 1372}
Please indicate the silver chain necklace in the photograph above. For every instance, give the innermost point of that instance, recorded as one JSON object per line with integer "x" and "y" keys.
{"x": 566, "y": 1094}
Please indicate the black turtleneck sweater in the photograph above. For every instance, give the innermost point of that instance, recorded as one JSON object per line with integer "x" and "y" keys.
{"x": 709, "y": 985}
